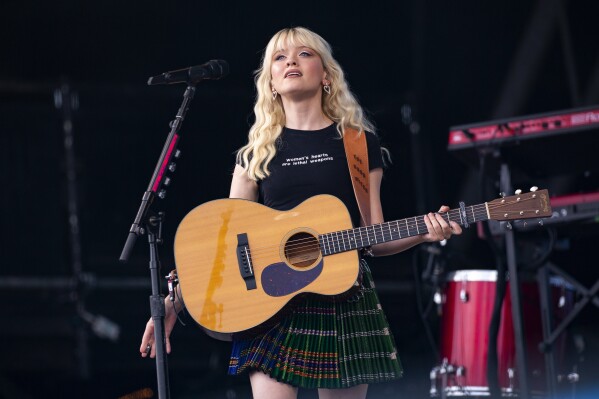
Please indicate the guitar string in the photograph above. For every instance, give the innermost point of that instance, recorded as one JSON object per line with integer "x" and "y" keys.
{"x": 308, "y": 244}
{"x": 375, "y": 233}
{"x": 476, "y": 210}
{"x": 380, "y": 234}
{"x": 378, "y": 230}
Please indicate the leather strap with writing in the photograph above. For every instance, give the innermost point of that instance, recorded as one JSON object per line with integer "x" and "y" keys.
{"x": 356, "y": 152}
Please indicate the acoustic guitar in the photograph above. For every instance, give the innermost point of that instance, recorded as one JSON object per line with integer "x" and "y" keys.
{"x": 240, "y": 263}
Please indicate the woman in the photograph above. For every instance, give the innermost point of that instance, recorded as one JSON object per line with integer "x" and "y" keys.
{"x": 295, "y": 151}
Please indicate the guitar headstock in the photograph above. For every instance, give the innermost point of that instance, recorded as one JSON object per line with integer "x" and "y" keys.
{"x": 535, "y": 204}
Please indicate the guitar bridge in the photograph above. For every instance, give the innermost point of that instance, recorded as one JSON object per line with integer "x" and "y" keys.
{"x": 244, "y": 260}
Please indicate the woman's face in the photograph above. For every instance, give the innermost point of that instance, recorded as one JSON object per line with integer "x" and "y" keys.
{"x": 297, "y": 71}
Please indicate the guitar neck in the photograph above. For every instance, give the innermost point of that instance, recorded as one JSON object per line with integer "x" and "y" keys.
{"x": 363, "y": 237}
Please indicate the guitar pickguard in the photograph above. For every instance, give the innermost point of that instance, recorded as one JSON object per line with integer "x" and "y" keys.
{"x": 278, "y": 279}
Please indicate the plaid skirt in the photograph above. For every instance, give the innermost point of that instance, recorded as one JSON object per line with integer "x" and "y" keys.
{"x": 325, "y": 343}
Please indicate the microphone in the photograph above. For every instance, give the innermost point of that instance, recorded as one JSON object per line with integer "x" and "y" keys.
{"x": 213, "y": 69}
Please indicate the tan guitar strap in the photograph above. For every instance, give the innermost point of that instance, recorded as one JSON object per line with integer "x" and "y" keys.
{"x": 356, "y": 152}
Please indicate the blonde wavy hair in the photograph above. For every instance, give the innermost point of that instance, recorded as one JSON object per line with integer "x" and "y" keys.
{"x": 340, "y": 106}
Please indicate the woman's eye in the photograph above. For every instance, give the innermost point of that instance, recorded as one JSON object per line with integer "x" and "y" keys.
{"x": 305, "y": 53}
{"x": 279, "y": 57}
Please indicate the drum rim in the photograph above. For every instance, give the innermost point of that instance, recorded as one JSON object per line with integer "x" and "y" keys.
{"x": 473, "y": 275}
{"x": 491, "y": 276}
{"x": 475, "y": 390}
{"x": 560, "y": 282}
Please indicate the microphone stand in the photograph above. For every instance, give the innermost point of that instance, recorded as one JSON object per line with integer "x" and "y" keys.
{"x": 146, "y": 222}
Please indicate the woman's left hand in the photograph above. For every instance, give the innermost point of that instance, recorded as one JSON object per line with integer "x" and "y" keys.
{"x": 438, "y": 228}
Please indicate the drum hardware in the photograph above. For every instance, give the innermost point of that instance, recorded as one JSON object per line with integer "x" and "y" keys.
{"x": 463, "y": 295}
{"x": 562, "y": 301}
{"x": 439, "y": 300}
{"x": 572, "y": 378}
{"x": 511, "y": 373}
{"x": 438, "y": 297}
{"x": 433, "y": 376}
{"x": 553, "y": 329}
{"x": 444, "y": 371}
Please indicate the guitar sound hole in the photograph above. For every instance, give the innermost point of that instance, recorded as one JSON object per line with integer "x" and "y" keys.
{"x": 302, "y": 250}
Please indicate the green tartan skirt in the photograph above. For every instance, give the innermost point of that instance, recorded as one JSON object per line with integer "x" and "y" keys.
{"x": 325, "y": 343}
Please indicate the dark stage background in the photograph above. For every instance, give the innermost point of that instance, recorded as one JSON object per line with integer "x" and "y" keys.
{"x": 447, "y": 63}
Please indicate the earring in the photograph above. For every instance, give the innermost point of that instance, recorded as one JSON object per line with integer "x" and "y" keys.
{"x": 327, "y": 87}
{"x": 274, "y": 94}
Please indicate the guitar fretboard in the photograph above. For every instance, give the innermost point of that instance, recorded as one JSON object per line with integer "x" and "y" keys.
{"x": 362, "y": 237}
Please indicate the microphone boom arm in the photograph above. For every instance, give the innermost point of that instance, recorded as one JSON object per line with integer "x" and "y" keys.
{"x": 165, "y": 164}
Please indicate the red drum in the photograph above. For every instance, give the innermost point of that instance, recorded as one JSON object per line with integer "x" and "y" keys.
{"x": 467, "y": 311}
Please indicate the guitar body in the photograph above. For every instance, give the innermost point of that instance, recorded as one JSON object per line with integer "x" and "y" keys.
{"x": 284, "y": 258}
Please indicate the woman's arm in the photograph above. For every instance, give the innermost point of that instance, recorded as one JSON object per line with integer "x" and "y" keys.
{"x": 438, "y": 228}
{"x": 242, "y": 186}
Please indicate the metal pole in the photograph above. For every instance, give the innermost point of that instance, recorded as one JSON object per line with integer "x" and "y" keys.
{"x": 521, "y": 360}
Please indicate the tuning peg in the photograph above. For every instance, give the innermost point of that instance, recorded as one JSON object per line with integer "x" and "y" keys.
{"x": 502, "y": 194}
{"x": 518, "y": 192}
{"x": 534, "y": 188}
